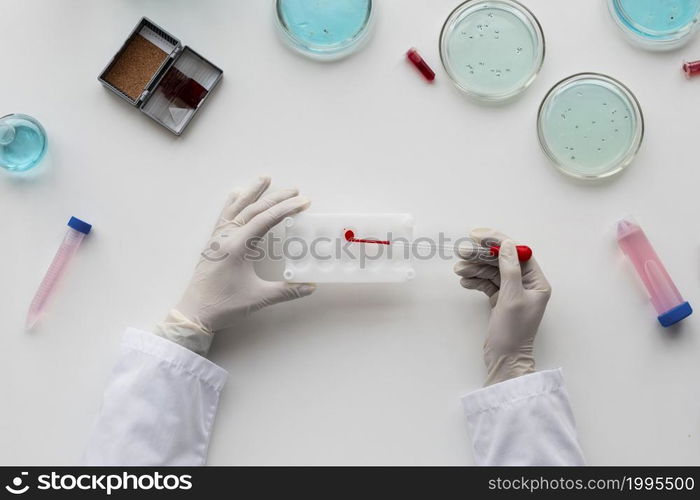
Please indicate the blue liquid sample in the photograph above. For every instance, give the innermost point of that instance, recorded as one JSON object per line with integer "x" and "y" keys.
{"x": 324, "y": 27}
{"x": 22, "y": 142}
{"x": 663, "y": 22}
{"x": 661, "y": 16}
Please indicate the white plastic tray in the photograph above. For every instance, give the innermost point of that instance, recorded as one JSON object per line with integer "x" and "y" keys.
{"x": 317, "y": 250}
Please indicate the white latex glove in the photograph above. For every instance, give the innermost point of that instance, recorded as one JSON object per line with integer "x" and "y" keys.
{"x": 225, "y": 287}
{"x": 518, "y": 295}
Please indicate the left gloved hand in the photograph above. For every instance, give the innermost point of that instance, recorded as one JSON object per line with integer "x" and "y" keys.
{"x": 225, "y": 287}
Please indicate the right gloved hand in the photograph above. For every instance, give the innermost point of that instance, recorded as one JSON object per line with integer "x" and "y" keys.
{"x": 518, "y": 295}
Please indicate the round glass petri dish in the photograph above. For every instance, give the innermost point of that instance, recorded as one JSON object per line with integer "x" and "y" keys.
{"x": 590, "y": 125}
{"x": 656, "y": 24}
{"x": 492, "y": 49}
{"x": 324, "y": 29}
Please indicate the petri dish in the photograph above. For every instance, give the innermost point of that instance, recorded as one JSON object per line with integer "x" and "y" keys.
{"x": 590, "y": 125}
{"x": 656, "y": 24}
{"x": 324, "y": 29}
{"x": 492, "y": 49}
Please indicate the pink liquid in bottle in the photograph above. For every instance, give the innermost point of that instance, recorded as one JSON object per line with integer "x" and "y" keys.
{"x": 665, "y": 297}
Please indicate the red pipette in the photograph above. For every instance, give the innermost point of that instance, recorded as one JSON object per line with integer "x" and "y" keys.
{"x": 524, "y": 252}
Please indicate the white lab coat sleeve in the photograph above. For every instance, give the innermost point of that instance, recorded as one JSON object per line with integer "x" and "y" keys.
{"x": 159, "y": 406}
{"x": 523, "y": 421}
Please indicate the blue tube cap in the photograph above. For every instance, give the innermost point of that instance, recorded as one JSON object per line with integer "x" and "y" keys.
{"x": 79, "y": 225}
{"x": 673, "y": 316}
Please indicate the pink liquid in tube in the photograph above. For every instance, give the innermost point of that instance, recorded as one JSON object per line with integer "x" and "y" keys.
{"x": 77, "y": 230}
{"x": 665, "y": 297}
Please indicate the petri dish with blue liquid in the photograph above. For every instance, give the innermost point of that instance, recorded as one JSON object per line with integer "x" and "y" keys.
{"x": 324, "y": 29}
{"x": 591, "y": 126}
{"x": 22, "y": 142}
{"x": 656, "y": 24}
{"x": 492, "y": 49}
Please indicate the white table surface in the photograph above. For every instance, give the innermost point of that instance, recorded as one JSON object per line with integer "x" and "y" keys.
{"x": 355, "y": 374}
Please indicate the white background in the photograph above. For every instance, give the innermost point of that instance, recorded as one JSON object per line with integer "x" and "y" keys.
{"x": 354, "y": 374}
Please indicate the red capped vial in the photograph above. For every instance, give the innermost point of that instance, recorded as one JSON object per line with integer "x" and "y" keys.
{"x": 691, "y": 68}
{"x": 420, "y": 63}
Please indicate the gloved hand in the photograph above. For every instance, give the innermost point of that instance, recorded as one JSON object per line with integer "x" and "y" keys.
{"x": 518, "y": 295}
{"x": 225, "y": 287}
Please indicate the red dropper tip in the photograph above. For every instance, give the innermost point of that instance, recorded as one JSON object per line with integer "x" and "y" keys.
{"x": 691, "y": 68}
{"x": 524, "y": 252}
{"x": 420, "y": 63}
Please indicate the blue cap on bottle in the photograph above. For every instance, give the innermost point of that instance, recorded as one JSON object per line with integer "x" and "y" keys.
{"x": 673, "y": 316}
{"x": 79, "y": 225}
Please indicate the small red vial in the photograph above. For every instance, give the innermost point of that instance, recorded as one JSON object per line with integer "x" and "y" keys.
{"x": 691, "y": 68}
{"x": 420, "y": 63}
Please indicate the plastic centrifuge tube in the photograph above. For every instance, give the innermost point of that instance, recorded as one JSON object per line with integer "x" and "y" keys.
{"x": 77, "y": 229}
{"x": 667, "y": 301}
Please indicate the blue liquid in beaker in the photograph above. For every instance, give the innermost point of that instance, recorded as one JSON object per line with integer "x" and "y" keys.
{"x": 324, "y": 27}
{"x": 22, "y": 142}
